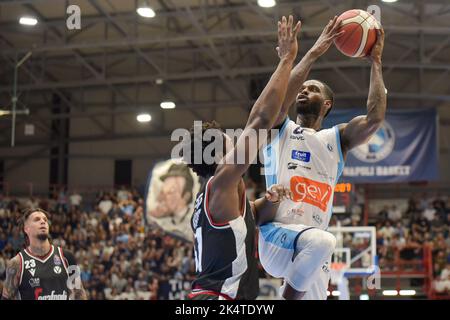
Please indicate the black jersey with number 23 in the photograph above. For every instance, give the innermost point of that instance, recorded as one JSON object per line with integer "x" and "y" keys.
{"x": 44, "y": 278}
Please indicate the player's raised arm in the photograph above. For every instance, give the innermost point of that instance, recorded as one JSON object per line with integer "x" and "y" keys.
{"x": 265, "y": 109}
{"x": 301, "y": 71}
{"x": 361, "y": 128}
{"x": 11, "y": 284}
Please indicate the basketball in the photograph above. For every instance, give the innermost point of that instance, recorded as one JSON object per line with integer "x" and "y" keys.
{"x": 360, "y": 33}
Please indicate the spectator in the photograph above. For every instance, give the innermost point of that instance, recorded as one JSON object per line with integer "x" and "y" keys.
{"x": 105, "y": 204}
{"x": 440, "y": 262}
{"x": 16, "y": 240}
{"x": 123, "y": 194}
{"x": 394, "y": 213}
{"x": 442, "y": 284}
{"x": 420, "y": 225}
{"x": 3, "y": 240}
{"x": 3, "y": 202}
{"x": 412, "y": 208}
{"x": 387, "y": 231}
{"x": 62, "y": 201}
{"x": 383, "y": 214}
{"x": 437, "y": 225}
{"x": 32, "y": 203}
{"x": 2, "y": 266}
{"x": 75, "y": 199}
{"x": 429, "y": 212}
{"x": 410, "y": 250}
{"x": 424, "y": 202}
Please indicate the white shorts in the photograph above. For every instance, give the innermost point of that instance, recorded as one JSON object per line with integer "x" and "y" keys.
{"x": 276, "y": 245}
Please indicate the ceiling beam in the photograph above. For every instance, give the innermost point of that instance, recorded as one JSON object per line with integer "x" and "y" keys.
{"x": 208, "y": 74}
{"x": 173, "y": 39}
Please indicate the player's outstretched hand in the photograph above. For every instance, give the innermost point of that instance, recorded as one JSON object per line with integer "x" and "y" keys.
{"x": 287, "y": 38}
{"x": 329, "y": 33}
{"x": 278, "y": 193}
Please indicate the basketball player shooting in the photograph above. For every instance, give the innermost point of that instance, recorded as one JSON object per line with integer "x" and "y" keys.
{"x": 309, "y": 160}
{"x": 224, "y": 221}
{"x": 41, "y": 271}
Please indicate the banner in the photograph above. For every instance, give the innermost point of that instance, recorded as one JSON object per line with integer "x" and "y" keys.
{"x": 170, "y": 194}
{"x": 404, "y": 149}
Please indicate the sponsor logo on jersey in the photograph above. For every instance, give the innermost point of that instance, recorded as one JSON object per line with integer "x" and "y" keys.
{"x": 298, "y": 130}
{"x": 52, "y": 296}
{"x": 56, "y": 260}
{"x": 378, "y": 147}
{"x": 37, "y": 293}
{"x": 295, "y": 212}
{"x": 297, "y": 134}
{"x": 310, "y": 191}
{"x": 57, "y": 269}
{"x": 317, "y": 218}
{"x": 326, "y": 176}
{"x": 297, "y": 137}
{"x": 325, "y": 267}
{"x": 293, "y": 166}
{"x": 34, "y": 282}
{"x": 330, "y": 147}
{"x": 32, "y": 271}
{"x": 303, "y": 156}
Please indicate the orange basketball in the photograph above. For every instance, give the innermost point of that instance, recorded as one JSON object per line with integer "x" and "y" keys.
{"x": 360, "y": 34}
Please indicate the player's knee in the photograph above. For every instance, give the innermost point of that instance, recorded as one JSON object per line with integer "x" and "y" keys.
{"x": 323, "y": 241}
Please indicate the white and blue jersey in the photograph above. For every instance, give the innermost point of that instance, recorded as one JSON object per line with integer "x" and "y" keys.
{"x": 310, "y": 163}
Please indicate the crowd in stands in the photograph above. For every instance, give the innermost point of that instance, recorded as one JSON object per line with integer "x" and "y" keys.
{"x": 426, "y": 221}
{"x": 403, "y": 234}
{"x": 121, "y": 257}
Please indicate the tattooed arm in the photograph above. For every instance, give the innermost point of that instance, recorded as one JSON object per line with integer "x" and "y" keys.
{"x": 78, "y": 294}
{"x": 77, "y": 291}
{"x": 11, "y": 284}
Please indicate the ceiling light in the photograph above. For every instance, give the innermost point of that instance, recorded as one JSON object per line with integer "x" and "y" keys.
{"x": 144, "y": 117}
{"x": 168, "y": 105}
{"x": 145, "y": 12}
{"x": 28, "y": 21}
{"x": 389, "y": 1}
{"x": 267, "y": 3}
{"x": 364, "y": 297}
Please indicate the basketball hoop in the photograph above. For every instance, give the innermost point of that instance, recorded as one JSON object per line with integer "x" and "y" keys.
{"x": 337, "y": 270}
